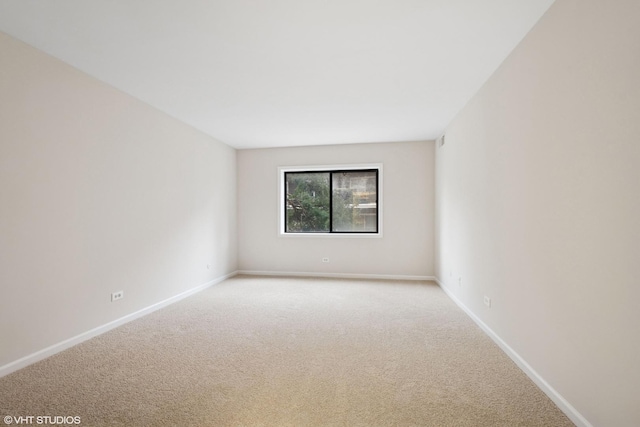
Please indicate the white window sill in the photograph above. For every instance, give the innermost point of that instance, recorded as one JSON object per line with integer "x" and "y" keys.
{"x": 334, "y": 235}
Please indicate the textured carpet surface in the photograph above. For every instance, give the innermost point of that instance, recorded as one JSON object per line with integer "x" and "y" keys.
{"x": 256, "y": 351}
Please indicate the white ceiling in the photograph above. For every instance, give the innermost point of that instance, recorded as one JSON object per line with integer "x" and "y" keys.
{"x": 266, "y": 73}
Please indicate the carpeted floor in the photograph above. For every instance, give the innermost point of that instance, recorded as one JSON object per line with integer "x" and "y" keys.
{"x": 288, "y": 352}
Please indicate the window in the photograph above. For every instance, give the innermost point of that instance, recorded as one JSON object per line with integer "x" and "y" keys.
{"x": 325, "y": 201}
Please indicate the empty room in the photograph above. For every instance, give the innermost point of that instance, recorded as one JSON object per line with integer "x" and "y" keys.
{"x": 310, "y": 213}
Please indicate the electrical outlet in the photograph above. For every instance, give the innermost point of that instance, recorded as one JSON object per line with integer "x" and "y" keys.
{"x": 115, "y": 296}
{"x": 487, "y": 301}
{"x": 325, "y": 259}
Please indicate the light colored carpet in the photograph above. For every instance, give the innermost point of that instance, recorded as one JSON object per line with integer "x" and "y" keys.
{"x": 288, "y": 352}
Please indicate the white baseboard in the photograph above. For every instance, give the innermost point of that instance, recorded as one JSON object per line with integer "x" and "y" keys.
{"x": 56, "y": 348}
{"x": 560, "y": 401}
{"x": 335, "y": 275}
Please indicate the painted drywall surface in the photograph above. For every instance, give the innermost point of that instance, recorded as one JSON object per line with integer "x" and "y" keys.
{"x": 538, "y": 205}
{"x": 406, "y": 247}
{"x": 99, "y": 193}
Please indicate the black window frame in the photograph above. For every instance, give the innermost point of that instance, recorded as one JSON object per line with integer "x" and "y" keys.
{"x": 331, "y": 172}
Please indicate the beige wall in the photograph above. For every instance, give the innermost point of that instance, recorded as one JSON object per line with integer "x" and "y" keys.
{"x": 538, "y": 205}
{"x": 406, "y": 248}
{"x": 98, "y": 193}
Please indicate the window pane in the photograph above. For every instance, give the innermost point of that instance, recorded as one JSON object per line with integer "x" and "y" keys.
{"x": 355, "y": 201}
{"x": 307, "y": 204}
